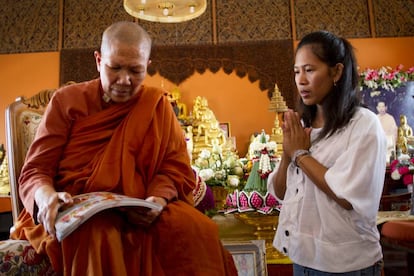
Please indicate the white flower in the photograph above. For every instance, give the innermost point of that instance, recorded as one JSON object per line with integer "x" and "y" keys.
{"x": 404, "y": 158}
{"x": 217, "y": 149}
{"x": 201, "y": 163}
{"x": 206, "y": 174}
{"x": 205, "y": 154}
{"x": 395, "y": 175}
{"x": 233, "y": 180}
{"x": 272, "y": 145}
{"x": 238, "y": 170}
{"x": 220, "y": 175}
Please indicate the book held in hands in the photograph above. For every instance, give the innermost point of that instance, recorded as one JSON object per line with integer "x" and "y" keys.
{"x": 86, "y": 205}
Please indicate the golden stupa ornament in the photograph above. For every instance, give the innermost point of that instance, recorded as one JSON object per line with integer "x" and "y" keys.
{"x": 277, "y": 105}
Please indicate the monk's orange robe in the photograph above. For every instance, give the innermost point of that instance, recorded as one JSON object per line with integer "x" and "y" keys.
{"x": 135, "y": 148}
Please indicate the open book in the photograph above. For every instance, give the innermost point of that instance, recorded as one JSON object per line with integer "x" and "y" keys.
{"x": 87, "y": 205}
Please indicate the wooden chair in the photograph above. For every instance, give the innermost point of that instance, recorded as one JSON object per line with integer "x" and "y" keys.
{"x": 22, "y": 119}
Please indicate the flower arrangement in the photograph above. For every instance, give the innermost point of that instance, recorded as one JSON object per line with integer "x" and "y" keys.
{"x": 263, "y": 151}
{"x": 254, "y": 196}
{"x": 403, "y": 168}
{"x": 220, "y": 169}
{"x": 385, "y": 77}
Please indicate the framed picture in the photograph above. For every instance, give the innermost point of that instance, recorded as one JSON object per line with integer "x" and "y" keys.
{"x": 249, "y": 256}
{"x": 389, "y": 106}
{"x": 226, "y": 128}
{"x": 400, "y": 101}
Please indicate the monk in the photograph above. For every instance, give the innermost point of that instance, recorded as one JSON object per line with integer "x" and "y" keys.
{"x": 116, "y": 134}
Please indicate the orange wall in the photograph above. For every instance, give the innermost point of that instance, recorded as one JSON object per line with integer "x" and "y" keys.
{"x": 378, "y": 52}
{"x": 24, "y": 75}
{"x": 232, "y": 99}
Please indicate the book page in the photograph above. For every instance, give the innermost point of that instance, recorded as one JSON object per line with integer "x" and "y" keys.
{"x": 86, "y": 205}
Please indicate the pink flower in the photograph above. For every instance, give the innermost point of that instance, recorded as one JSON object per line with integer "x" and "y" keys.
{"x": 407, "y": 179}
{"x": 385, "y": 77}
{"x": 393, "y": 164}
{"x": 256, "y": 200}
{"x": 403, "y": 170}
{"x": 243, "y": 199}
{"x": 271, "y": 200}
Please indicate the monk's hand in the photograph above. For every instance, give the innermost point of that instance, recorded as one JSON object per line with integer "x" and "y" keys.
{"x": 295, "y": 136}
{"x": 144, "y": 216}
{"x": 49, "y": 202}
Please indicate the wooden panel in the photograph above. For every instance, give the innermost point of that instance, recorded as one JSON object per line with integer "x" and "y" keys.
{"x": 180, "y": 62}
{"x": 253, "y": 20}
{"x": 394, "y": 18}
{"x": 33, "y": 26}
{"x": 84, "y": 21}
{"x": 347, "y": 18}
{"x": 29, "y": 26}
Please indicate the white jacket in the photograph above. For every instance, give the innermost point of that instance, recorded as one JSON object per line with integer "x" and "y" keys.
{"x": 314, "y": 231}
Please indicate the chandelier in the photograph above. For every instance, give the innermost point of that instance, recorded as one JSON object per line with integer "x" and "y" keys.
{"x": 172, "y": 11}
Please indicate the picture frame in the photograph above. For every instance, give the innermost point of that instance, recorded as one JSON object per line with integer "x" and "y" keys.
{"x": 393, "y": 104}
{"x": 249, "y": 256}
{"x": 400, "y": 101}
{"x": 225, "y": 126}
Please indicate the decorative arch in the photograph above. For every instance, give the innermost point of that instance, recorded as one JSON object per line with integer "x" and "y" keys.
{"x": 268, "y": 62}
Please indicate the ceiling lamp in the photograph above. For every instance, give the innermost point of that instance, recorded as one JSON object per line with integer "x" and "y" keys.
{"x": 172, "y": 11}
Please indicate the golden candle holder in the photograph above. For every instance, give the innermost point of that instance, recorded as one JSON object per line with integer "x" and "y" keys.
{"x": 265, "y": 228}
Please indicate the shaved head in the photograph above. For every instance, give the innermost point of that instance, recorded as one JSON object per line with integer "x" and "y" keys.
{"x": 128, "y": 33}
{"x": 122, "y": 61}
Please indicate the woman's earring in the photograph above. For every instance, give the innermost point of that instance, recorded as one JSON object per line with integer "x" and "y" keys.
{"x": 334, "y": 82}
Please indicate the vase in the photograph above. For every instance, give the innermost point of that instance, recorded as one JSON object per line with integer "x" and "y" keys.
{"x": 265, "y": 228}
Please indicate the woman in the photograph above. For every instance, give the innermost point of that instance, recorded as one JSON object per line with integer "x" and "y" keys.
{"x": 332, "y": 170}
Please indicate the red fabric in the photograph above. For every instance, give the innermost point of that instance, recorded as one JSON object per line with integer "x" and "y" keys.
{"x": 136, "y": 148}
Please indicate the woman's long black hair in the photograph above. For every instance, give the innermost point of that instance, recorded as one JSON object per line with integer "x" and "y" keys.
{"x": 341, "y": 103}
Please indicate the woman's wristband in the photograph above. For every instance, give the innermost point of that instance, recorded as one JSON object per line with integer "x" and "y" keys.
{"x": 298, "y": 153}
{"x": 300, "y": 159}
